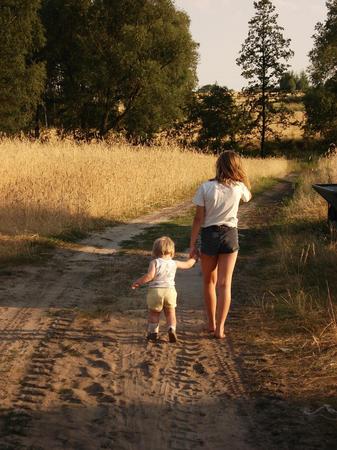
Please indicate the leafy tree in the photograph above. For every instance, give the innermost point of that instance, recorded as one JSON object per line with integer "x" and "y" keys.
{"x": 21, "y": 76}
{"x": 120, "y": 64}
{"x": 321, "y": 99}
{"x": 323, "y": 56}
{"x": 263, "y": 60}
{"x": 215, "y": 110}
{"x": 302, "y": 82}
{"x": 288, "y": 82}
{"x": 321, "y": 108}
{"x": 291, "y": 82}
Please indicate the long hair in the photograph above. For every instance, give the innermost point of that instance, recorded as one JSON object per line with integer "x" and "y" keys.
{"x": 229, "y": 168}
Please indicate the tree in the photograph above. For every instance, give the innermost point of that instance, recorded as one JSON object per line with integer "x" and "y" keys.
{"x": 120, "y": 64}
{"x": 302, "y": 82}
{"x": 291, "y": 82}
{"x": 263, "y": 60}
{"x": 321, "y": 99}
{"x": 323, "y": 56}
{"x": 21, "y": 75}
{"x": 288, "y": 82}
{"x": 321, "y": 108}
{"x": 215, "y": 110}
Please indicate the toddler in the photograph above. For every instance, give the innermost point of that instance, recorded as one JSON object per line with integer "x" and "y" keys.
{"x": 162, "y": 293}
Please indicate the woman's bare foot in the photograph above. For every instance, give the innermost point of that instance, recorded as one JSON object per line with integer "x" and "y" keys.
{"x": 220, "y": 333}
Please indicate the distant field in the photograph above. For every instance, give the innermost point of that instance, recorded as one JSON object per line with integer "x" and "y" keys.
{"x": 61, "y": 187}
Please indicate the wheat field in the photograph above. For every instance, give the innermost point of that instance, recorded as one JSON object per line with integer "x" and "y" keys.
{"x": 50, "y": 188}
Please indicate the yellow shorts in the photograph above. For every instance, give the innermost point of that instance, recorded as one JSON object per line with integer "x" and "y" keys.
{"x": 159, "y": 298}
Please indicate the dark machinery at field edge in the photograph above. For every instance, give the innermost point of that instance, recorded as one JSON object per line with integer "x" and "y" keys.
{"x": 329, "y": 193}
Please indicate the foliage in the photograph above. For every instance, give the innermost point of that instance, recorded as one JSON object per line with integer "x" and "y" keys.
{"x": 321, "y": 100}
{"x": 323, "y": 56}
{"x": 21, "y": 76}
{"x": 120, "y": 64}
{"x": 321, "y": 107}
{"x": 263, "y": 60}
{"x": 291, "y": 82}
{"x": 215, "y": 109}
{"x": 288, "y": 82}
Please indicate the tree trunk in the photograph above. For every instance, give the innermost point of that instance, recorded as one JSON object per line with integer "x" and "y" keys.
{"x": 264, "y": 112}
{"x": 103, "y": 129}
{"x": 263, "y": 130}
{"x": 37, "y": 123}
{"x": 104, "y": 124}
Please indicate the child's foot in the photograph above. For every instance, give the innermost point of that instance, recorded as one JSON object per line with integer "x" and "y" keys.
{"x": 152, "y": 337}
{"x": 172, "y": 335}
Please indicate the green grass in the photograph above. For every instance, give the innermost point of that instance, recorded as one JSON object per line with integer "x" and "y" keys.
{"x": 178, "y": 229}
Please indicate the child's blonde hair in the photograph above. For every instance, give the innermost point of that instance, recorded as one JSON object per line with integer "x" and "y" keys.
{"x": 163, "y": 246}
{"x": 229, "y": 168}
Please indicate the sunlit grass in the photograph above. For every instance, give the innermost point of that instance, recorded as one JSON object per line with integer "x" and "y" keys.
{"x": 63, "y": 188}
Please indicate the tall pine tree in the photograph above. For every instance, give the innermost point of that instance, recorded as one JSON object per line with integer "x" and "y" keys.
{"x": 263, "y": 59}
{"x": 21, "y": 76}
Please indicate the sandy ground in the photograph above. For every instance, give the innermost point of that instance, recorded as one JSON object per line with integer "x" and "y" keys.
{"x": 69, "y": 382}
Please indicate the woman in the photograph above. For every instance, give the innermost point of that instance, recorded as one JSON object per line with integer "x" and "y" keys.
{"x": 217, "y": 202}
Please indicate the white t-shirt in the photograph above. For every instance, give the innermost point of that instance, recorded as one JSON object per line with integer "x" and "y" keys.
{"x": 165, "y": 273}
{"x": 221, "y": 202}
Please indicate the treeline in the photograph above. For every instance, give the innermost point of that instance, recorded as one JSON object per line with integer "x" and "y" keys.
{"x": 91, "y": 66}
{"x": 85, "y": 65}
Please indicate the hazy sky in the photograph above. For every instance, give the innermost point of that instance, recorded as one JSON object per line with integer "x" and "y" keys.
{"x": 221, "y": 26}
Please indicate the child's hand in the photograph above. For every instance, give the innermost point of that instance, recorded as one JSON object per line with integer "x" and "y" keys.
{"x": 135, "y": 285}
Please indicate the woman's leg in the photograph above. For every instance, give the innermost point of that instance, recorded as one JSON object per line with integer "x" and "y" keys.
{"x": 226, "y": 265}
{"x": 209, "y": 273}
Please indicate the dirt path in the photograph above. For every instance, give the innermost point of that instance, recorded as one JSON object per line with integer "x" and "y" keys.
{"x": 70, "y": 382}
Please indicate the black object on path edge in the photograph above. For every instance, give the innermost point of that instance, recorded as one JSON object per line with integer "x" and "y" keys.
{"x": 329, "y": 193}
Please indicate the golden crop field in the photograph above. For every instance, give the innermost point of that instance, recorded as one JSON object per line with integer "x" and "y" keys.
{"x": 49, "y": 188}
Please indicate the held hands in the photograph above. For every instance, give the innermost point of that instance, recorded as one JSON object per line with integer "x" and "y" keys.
{"x": 194, "y": 253}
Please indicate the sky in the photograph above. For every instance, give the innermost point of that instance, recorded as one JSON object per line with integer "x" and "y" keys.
{"x": 221, "y": 26}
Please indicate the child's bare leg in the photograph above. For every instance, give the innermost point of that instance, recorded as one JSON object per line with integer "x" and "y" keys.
{"x": 171, "y": 321}
{"x": 170, "y": 314}
{"x": 153, "y": 322}
{"x": 209, "y": 273}
{"x": 226, "y": 264}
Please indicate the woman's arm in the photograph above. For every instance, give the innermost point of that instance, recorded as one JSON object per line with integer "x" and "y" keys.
{"x": 145, "y": 278}
{"x": 197, "y": 223}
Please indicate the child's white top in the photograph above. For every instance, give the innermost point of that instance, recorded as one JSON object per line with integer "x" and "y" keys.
{"x": 221, "y": 202}
{"x": 165, "y": 273}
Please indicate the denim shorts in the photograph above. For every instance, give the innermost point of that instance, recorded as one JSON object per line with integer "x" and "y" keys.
{"x": 218, "y": 239}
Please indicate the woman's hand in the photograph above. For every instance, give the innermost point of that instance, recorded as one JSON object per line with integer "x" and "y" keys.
{"x": 135, "y": 285}
{"x": 194, "y": 253}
